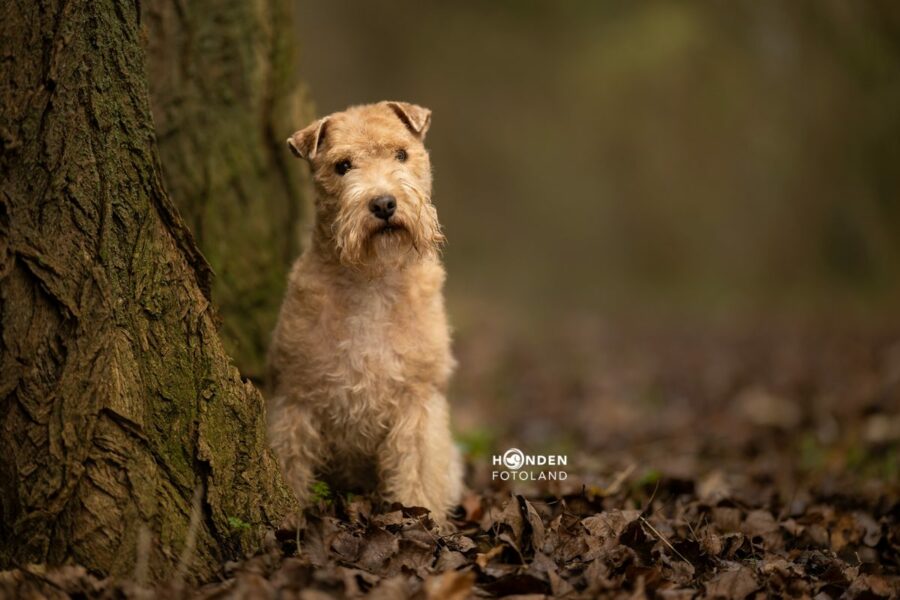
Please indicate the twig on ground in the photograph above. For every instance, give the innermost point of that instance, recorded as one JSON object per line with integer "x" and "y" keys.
{"x": 621, "y": 478}
{"x": 663, "y": 539}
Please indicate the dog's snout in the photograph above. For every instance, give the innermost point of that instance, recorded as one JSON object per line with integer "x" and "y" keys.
{"x": 383, "y": 207}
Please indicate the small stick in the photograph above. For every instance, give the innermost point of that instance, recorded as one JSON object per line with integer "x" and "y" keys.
{"x": 693, "y": 533}
{"x": 663, "y": 539}
{"x": 616, "y": 485}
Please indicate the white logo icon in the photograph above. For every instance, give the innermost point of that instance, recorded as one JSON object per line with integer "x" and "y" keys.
{"x": 513, "y": 459}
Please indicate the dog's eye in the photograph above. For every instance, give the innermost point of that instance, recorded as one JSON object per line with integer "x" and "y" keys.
{"x": 343, "y": 166}
{"x": 401, "y": 155}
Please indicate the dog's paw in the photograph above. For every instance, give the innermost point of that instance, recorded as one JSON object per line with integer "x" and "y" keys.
{"x": 445, "y": 527}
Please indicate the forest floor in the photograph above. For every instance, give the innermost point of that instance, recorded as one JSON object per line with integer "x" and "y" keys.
{"x": 745, "y": 463}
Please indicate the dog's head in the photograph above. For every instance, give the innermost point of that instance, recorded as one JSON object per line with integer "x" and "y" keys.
{"x": 373, "y": 178}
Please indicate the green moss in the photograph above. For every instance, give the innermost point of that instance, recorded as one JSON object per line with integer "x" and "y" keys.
{"x": 321, "y": 492}
{"x": 238, "y": 525}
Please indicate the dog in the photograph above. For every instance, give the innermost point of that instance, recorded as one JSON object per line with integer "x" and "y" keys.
{"x": 360, "y": 357}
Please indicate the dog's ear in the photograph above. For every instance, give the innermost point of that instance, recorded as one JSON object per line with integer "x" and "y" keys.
{"x": 416, "y": 118}
{"x": 305, "y": 143}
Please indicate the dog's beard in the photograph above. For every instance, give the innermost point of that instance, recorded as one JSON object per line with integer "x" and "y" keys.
{"x": 389, "y": 242}
{"x": 413, "y": 232}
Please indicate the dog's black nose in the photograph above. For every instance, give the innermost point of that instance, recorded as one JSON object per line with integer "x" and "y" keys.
{"x": 383, "y": 207}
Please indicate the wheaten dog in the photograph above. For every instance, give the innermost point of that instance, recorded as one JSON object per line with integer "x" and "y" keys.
{"x": 360, "y": 356}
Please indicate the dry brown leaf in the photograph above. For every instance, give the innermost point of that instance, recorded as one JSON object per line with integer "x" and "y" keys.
{"x": 611, "y": 524}
{"x": 472, "y": 506}
{"x": 727, "y": 519}
{"x": 452, "y": 585}
{"x": 377, "y": 549}
{"x": 482, "y": 559}
{"x": 734, "y": 584}
{"x": 535, "y": 524}
{"x": 450, "y": 560}
{"x": 713, "y": 488}
{"x": 761, "y": 525}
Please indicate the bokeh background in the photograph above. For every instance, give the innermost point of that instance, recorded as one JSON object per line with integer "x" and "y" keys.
{"x": 598, "y": 155}
{"x": 669, "y": 222}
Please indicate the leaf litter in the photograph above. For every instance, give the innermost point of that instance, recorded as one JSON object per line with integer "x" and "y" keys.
{"x": 759, "y": 465}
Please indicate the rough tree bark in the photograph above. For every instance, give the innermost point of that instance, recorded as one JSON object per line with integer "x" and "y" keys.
{"x": 224, "y": 96}
{"x": 117, "y": 399}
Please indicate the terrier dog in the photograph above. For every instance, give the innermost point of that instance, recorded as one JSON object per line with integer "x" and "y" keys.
{"x": 360, "y": 356}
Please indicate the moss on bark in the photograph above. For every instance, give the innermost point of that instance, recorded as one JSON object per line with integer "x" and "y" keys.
{"x": 117, "y": 398}
{"x": 224, "y": 96}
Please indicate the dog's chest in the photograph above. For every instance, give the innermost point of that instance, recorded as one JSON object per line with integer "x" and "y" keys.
{"x": 372, "y": 349}
{"x": 382, "y": 345}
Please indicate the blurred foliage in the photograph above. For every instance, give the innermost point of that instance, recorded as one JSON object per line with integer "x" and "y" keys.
{"x": 642, "y": 155}
{"x": 477, "y": 442}
{"x": 321, "y": 493}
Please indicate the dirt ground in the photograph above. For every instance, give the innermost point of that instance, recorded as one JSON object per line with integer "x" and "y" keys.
{"x": 737, "y": 463}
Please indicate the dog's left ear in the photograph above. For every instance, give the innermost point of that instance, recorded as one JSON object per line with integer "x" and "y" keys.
{"x": 305, "y": 143}
{"x": 416, "y": 118}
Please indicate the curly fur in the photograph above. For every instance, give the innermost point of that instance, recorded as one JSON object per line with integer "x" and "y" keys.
{"x": 360, "y": 356}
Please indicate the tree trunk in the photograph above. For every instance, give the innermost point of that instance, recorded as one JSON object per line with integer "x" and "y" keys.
{"x": 117, "y": 399}
{"x": 224, "y": 97}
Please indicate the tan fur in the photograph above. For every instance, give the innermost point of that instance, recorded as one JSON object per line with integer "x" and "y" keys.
{"x": 360, "y": 357}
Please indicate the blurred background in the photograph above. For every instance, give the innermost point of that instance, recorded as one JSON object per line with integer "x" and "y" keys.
{"x": 655, "y": 211}
{"x": 662, "y": 155}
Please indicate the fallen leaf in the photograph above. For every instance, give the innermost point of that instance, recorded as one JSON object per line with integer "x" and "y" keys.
{"x": 713, "y": 488}
{"x": 734, "y": 584}
{"x": 482, "y": 559}
{"x": 608, "y": 526}
{"x": 452, "y": 585}
{"x": 761, "y": 526}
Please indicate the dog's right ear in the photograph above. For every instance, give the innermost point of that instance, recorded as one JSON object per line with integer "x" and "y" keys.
{"x": 305, "y": 143}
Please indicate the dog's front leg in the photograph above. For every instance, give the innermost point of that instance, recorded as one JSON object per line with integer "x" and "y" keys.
{"x": 418, "y": 462}
{"x": 297, "y": 445}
